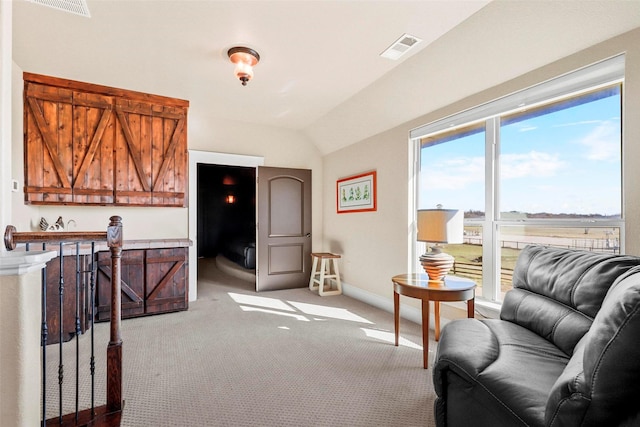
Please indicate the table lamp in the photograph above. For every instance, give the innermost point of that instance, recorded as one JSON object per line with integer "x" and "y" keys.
{"x": 439, "y": 226}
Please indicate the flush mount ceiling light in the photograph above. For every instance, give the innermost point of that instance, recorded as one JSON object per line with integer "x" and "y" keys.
{"x": 244, "y": 58}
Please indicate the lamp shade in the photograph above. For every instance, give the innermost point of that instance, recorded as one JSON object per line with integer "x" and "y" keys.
{"x": 440, "y": 225}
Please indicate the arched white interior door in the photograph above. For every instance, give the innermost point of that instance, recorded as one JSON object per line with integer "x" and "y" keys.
{"x": 283, "y": 228}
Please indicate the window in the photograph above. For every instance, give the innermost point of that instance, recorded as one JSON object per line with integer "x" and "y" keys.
{"x": 547, "y": 172}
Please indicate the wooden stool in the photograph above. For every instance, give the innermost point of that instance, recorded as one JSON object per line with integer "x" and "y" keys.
{"x": 318, "y": 276}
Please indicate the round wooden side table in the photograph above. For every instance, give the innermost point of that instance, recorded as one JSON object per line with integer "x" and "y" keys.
{"x": 419, "y": 286}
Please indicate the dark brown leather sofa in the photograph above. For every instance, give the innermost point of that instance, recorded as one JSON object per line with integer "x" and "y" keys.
{"x": 565, "y": 351}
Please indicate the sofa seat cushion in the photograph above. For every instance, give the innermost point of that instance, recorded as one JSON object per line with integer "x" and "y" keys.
{"x": 508, "y": 370}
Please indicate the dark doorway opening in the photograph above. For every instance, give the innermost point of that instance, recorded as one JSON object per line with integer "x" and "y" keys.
{"x": 227, "y": 214}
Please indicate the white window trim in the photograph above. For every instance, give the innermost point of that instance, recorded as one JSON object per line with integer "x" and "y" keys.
{"x": 587, "y": 78}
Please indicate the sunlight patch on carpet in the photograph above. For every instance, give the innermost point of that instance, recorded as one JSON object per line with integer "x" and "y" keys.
{"x": 265, "y": 310}
{"x": 332, "y": 312}
{"x": 277, "y": 306}
{"x": 390, "y": 338}
{"x": 260, "y": 301}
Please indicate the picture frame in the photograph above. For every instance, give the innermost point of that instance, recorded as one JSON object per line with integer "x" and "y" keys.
{"x": 357, "y": 193}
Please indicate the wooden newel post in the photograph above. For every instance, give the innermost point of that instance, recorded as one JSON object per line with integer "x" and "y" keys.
{"x": 114, "y": 349}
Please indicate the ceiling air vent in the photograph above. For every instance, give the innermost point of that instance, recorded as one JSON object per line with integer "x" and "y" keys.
{"x": 78, "y": 7}
{"x": 400, "y": 46}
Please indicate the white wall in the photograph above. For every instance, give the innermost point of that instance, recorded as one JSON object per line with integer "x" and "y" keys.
{"x": 5, "y": 110}
{"x": 375, "y": 245}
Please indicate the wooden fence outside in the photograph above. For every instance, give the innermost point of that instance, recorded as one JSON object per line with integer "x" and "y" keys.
{"x": 473, "y": 271}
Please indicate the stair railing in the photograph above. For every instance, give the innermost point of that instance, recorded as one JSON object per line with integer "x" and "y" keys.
{"x": 109, "y": 414}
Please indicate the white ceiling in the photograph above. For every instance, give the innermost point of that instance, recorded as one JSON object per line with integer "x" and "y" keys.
{"x": 320, "y": 68}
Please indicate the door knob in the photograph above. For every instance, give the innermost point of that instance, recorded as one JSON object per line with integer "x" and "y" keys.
{"x": 308, "y": 235}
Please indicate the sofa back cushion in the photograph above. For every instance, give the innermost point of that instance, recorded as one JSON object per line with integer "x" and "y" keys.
{"x": 601, "y": 383}
{"x": 557, "y": 292}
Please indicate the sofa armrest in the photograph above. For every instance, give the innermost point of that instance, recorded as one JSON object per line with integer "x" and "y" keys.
{"x": 599, "y": 386}
{"x": 468, "y": 336}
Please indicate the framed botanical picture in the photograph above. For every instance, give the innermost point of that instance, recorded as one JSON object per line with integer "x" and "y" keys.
{"x": 357, "y": 193}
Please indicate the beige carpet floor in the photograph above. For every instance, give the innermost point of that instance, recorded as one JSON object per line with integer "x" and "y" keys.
{"x": 241, "y": 358}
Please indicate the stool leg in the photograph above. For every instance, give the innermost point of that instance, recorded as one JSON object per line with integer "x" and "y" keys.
{"x": 336, "y": 271}
{"x": 328, "y": 275}
{"x": 323, "y": 266}
{"x": 313, "y": 274}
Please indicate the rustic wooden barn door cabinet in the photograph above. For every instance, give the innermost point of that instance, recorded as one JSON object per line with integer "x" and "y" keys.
{"x": 152, "y": 281}
{"x": 91, "y": 144}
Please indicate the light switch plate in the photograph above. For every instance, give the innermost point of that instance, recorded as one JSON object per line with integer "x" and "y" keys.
{"x": 14, "y": 185}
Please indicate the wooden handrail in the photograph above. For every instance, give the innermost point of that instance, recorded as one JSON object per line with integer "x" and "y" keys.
{"x": 12, "y": 237}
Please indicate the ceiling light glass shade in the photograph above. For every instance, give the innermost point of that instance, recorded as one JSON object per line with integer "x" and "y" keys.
{"x": 439, "y": 226}
{"x": 245, "y": 59}
{"x": 243, "y": 71}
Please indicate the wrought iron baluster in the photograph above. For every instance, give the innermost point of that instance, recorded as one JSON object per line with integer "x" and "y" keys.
{"x": 92, "y": 307}
{"x": 44, "y": 334}
{"x": 61, "y": 324}
{"x": 78, "y": 331}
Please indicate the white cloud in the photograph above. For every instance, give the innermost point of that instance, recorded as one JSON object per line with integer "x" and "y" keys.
{"x": 603, "y": 142}
{"x": 454, "y": 174}
{"x": 579, "y": 123}
{"x": 533, "y": 163}
{"x": 457, "y": 173}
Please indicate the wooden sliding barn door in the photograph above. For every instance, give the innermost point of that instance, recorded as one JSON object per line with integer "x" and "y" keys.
{"x": 68, "y": 154}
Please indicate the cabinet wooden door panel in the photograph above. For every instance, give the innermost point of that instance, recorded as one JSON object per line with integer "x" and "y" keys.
{"x": 70, "y": 306}
{"x": 166, "y": 280}
{"x": 131, "y": 283}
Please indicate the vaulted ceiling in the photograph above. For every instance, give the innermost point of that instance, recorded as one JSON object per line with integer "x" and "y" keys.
{"x": 320, "y": 71}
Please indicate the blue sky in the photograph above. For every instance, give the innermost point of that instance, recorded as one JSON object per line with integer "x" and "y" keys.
{"x": 567, "y": 161}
